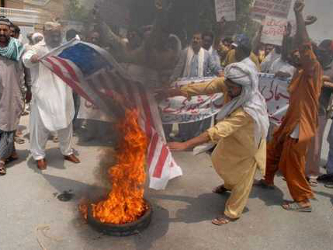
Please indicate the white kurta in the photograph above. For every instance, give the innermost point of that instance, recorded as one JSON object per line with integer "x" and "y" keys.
{"x": 51, "y": 95}
{"x": 52, "y": 107}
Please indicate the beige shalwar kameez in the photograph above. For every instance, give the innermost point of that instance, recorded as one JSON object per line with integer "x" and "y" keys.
{"x": 236, "y": 156}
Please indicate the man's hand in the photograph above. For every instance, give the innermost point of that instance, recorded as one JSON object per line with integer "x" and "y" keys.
{"x": 34, "y": 59}
{"x": 178, "y": 146}
{"x": 28, "y": 96}
{"x": 288, "y": 30}
{"x": 310, "y": 20}
{"x": 282, "y": 75}
{"x": 162, "y": 94}
{"x": 299, "y": 6}
{"x": 222, "y": 23}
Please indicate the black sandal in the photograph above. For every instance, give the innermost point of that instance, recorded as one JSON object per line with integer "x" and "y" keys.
{"x": 220, "y": 190}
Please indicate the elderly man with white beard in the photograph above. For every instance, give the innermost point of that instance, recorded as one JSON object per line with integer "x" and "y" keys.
{"x": 52, "y": 107}
{"x": 240, "y": 134}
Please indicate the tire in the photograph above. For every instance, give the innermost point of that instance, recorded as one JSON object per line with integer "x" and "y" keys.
{"x": 123, "y": 229}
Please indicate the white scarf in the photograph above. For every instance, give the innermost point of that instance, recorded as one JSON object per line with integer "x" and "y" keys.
{"x": 245, "y": 74}
{"x": 189, "y": 58}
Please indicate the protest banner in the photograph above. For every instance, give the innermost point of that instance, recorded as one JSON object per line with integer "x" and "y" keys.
{"x": 272, "y": 8}
{"x": 276, "y": 93}
{"x": 182, "y": 110}
{"x": 226, "y": 9}
{"x": 273, "y": 30}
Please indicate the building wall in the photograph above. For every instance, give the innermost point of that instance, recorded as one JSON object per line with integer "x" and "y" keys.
{"x": 51, "y": 10}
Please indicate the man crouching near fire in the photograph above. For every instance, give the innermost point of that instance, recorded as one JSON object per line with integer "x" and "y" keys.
{"x": 240, "y": 134}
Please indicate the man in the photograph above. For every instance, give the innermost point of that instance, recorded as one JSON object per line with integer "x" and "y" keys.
{"x": 195, "y": 61}
{"x": 36, "y": 38}
{"x": 52, "y": 108}
{"x": 288, "y": 148}
{"x": 211, "y": 46}
{"x": 242, "y": 46}
{"x": 15, "y": 31}
{"x": 326, "y": 109}
{"x": 11, "y": 92}
{"x": 239, "y": 134}
{"x": 314, "y": 152}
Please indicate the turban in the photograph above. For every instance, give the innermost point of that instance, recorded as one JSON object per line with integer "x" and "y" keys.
{"x": 52, "y": 26}
{"x": 35, "y": 36}
{"x": 5, "y": 21}
{"x": 245, "y": 74}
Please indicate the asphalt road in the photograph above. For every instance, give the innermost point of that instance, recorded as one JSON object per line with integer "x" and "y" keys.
{"x": 33, "y": 218}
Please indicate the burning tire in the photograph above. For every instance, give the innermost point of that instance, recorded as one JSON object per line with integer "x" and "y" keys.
{"x": 124, "y": 229}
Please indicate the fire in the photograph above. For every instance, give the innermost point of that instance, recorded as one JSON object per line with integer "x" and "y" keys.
{"x": 125, "y": 202}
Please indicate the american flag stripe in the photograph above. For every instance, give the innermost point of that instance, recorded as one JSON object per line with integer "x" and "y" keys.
{"x": 57, "y": 70}
{"x": 161, "y": 161}
{"x": 67, "y": 66}
{"x": 152, "y": 148}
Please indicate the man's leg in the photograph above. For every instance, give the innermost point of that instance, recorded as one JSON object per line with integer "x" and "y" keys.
{"x": 65, "y": 140}
{"x": 314, "y": 152}
{"x": 292, "y": 166}
{"x": 274, "y": 150}
{"x": 6, "y": 149}
{"x": 38, "y": 135}
{"x": 239, "y": 194}
{"x": 329, "y": 165}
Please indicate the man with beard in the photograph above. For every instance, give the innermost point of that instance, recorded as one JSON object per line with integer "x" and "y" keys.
{"x": 195, "y": 61}
{"x": 52, "y": 107}
{"x": 240, "y": 134}
{"x": 212, "y": 45}
{"x": 287, "y": 150}
{"x": 11, "y": 92}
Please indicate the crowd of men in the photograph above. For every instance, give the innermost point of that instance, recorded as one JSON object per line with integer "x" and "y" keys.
{"x": 241, "y": 131}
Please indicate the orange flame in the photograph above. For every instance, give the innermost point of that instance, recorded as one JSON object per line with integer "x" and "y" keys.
{"x": 125, "y": 202}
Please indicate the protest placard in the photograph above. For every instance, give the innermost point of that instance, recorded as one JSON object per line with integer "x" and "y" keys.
{"x": 226, "y": 9}
{"x": 273, "y": 30}
{"x": 272, "y": 8}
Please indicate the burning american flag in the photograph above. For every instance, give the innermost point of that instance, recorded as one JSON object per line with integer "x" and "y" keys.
{"x": 96, "y": 76}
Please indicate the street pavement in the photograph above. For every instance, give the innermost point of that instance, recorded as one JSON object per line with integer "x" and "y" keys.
{"x": 32, "y": 217}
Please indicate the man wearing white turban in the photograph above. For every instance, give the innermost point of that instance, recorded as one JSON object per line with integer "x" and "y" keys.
{"x": 239, "y": 134}
{"x": 52, "y": 107}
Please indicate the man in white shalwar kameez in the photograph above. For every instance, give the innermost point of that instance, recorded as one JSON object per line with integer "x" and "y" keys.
{"x": 52, "y": 107}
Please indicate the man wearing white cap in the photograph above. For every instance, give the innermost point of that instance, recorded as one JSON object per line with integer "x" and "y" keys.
{"x": 52, "y": 107}
{"x": 239, "y": 134}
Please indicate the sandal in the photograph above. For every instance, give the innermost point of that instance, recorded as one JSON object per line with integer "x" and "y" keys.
{"x": 3, "y": 170}
{"x": 13, "y": 157}
{"x": 312, "y": 181}
{"x": 55, "y": 139}
{"x": 329, "y": 185}
{"x": 19, "y": 140}
{"x": 222, "y": 220}
{"x": 220, "y": 190}
{"x": 296, "y": 207}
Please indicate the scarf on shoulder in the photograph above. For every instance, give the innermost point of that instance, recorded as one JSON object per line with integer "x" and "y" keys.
{"x": 13, "y": 51}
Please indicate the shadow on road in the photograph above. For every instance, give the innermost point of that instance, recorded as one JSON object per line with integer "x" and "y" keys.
{"x": 23, "y": 155}
{"x": 205, "y": 207}
{"x": 270, "y": 197}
